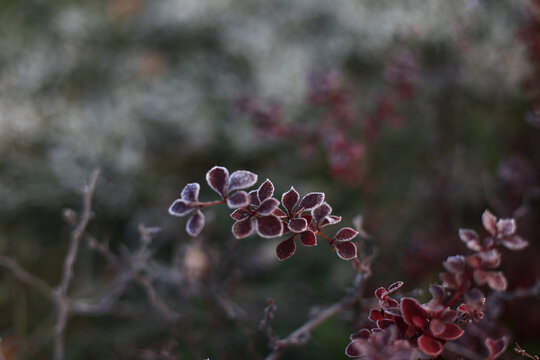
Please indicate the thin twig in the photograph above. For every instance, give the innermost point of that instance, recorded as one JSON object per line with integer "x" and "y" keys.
{"x": 303, "y": 333}
{"x": 26, "y": 277}
{"x": 67, "y": 274}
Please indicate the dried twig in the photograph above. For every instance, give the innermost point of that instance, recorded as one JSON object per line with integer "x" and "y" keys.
{"x": 518, "y": 349}
{"x": 302, "y": 334}
{"x": 26, "y": 277}
{"x": 62, "y": 301}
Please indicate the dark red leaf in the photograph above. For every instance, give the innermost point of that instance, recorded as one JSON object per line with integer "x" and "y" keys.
{"x": 448, "y": 316}
{"x": 447, "y": 331}
{"x": 195, "y": 223}
{"x": 269, "y": 226}
{"x": 290, "y": 199}
{"x": 243, "y": 228}
{"x": 393, "y": 310}
{"x": 308, "y": 218}
{"x": 394, "y": 287}
{"x": 297, "y": 225}
{"x": 357, "y": 348}
{"x": 268, "y": 206}
{"x": 361, "y": 334}
{"x": 414, "y": 313}
{"x": 254, "y": 198}
{"x": 266, "y": 190}
{"x": 180, "y": 207}
{"x": 241, "y": 179}
{"x": 496, "y": 347}
{"x": 308, "y": 238}
{"x": 217, "y": 179}
{"x": 490, "y": 222}
{"x": 240, "y": 214}
{"x": 190, "y": 192}
{"x": 286, "y": 248}
{"x": 375, "y": 315}
{"x": 385, "y": 323}
{"x": 380, "y": 293}
{"x": 430, "y": 346}
{"x": 321, "y": 212}
{"x": 346, "y": 250}
{"x": 515, "y": 243}
{"x": 345, "y": 234}
{"x": 279, "y": 213}
{"x": 311, "y": 200}
{"x": 238, "y": 200}
{"x": 330, "y": 220}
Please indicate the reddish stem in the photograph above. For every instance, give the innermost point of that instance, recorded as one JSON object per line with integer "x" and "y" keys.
{"x": 202, "y": 205}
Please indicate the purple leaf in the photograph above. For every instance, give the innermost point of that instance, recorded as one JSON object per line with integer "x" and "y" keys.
{"x": 321, "y": 212}
{"x": 475, "y": 299}
{"x": 269, "y": 226}
{"x": 298, "y": 225}
{"x": 191, "y": 192}
{"x": 240, "y": 214}
{"x": 266, "y": 190}
{"x": 241, "y": 179}
{"x": 467, "y": 235}
{"x": 506, "y": 227}
{"x": 286, "y": 248}
{"x": 346, "y": 250}
{"x": 455, "y": 264}
{"x": 217, "y": 179}
{"x": 268, "y": 206}
{"x": 311, "y": 200}
{"x": 345, "y": 234}
{"x": 490, "y": 222}
{"x": 308, "y": 238}
{"x": 238, "y": 200}
{"x": 180, "y": 207}
{"x": 243, "y": 228}
{"x": 290, "y": 199}
{"x": 496, "y": 281}
{"x": 195, "y": 223}
{"x": 515, "y": 243}
{"x": 437, "y": 292}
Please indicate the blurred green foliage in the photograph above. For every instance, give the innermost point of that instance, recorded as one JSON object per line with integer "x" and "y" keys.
{"x": 145, "y": 90}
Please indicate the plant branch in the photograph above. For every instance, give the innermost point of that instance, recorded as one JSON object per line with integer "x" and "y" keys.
{"x": 61, "y": 292}
{"x": 303, "y": 333}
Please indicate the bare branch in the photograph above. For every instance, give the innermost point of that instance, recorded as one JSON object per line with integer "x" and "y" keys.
{"x": 27, "y": 278}
{"x": 302, "y": 334}
{"x": 67, "y": 274}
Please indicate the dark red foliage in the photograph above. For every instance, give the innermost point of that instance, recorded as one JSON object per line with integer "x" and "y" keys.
{"x": 428, "y": 327}
{"x": 286, "y": 248}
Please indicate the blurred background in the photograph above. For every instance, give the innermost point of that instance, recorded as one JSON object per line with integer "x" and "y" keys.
{"x": 417, "y": 115}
